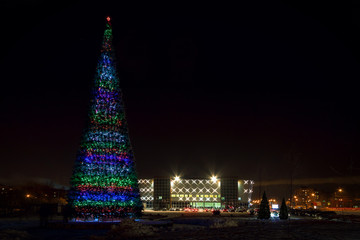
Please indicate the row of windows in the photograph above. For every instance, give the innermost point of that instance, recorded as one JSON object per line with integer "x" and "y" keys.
{"x": 181, "y": 195}
{"x": 185, "y": 195}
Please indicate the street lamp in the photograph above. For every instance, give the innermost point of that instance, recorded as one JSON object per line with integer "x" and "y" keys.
{"x": 214, "y": 179}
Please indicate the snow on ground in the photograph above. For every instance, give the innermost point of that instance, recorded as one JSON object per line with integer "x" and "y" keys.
{"x": 180, "y": 225}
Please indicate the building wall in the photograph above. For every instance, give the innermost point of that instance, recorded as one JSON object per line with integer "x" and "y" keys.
{"x": 159, "y": 193}
{"x": 246, "y": 189}
{"x": 146, "y": 187}
{"x": 195, "y": 193}
{"x": 229, "y": 191}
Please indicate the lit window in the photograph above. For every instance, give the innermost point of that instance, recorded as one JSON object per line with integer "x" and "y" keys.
{"x": 186, "y": 195}
{"x": 211, "y": 195}
{"x": 206, "y": 195}
{"x": 181, "y": 195}
{"x": 190, "y": 195}
{"x": 173, "y": 195}
{"x": 197, "y": 195}
{"x": 201, "y": 195}
{"x": 160, "y": 197}
{"x": 177, "y": 195}
{"x": 215, "y": 196}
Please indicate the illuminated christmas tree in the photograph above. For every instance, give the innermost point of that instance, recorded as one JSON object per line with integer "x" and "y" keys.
{"x": 104, "y": 182}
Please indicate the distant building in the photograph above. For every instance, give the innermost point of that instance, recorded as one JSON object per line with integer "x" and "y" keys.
{"x": 341, "y": 199}
{"x": 305, "y": 198}
{"x": 160, "y": 193}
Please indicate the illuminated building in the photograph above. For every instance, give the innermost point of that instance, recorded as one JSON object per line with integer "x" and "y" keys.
{"x": 160, "y": 193}
{"x": 305, "y": 198}
{"x": 341, "y": 199}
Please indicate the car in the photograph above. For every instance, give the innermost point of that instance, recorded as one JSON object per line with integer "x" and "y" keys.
{"x": 251, "y": 211}
{"x": 194, "y": 210}
{"x": 216, "y": 212}
{"x": 240, "y": 210}
{"x": 274, "y": 213}
{"x": 187, "y": 209}
{"x": 172, "y": 209}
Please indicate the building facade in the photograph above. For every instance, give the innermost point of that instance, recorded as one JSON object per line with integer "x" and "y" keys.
{"x": 166, "y": 193}
{"x": 305, "y": 198}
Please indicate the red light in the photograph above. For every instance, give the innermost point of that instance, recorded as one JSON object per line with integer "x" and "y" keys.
{"x": 108, "y": 19}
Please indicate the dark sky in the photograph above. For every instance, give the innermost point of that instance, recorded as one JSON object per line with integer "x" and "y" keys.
{"x": 256, "y": 90}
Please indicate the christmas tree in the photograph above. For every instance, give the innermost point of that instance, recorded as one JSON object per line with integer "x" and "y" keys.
{"x": 283, "y": 210}
{"x": 104, "y": 182}
{"x": 264, "y": 211}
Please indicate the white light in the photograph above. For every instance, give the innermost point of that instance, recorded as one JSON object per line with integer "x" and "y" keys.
{"x": 177, "y": 178}
{"x": 214, "y": 179}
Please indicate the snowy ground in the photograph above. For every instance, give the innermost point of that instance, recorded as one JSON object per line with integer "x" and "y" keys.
{"x": 180, "y": 225}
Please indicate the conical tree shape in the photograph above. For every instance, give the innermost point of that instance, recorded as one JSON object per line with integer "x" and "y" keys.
{"x": 264, "y": 211}
{"x": 283, "y": 210}
{"x": 104, "y": 182}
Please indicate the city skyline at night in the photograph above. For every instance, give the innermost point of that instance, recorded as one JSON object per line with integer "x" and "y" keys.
{"x": 241, "y": 94}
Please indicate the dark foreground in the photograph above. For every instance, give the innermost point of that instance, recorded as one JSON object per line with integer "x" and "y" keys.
{"x": 185, "y": 226}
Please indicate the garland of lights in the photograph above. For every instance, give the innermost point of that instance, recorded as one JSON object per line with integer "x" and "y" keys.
{"x": 104, "y": 182}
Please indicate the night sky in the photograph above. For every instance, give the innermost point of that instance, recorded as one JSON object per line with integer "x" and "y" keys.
{"x": 258, "y": 90}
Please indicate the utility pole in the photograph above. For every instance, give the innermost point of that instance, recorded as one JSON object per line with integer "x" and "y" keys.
{"x": 260, "y": 184}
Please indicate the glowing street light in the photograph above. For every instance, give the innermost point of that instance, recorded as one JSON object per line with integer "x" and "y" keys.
{"x": 214, "y": 179}
{"x": 27, "y": 195}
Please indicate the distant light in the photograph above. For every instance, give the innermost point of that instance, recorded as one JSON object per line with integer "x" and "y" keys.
{"x": 108, "y": 19}
{"x": 27, "y": 195}
{"x": 340, "y": 190}
{"x": 273, "y": 214}
{"x": 275, "y": 206}
{"x": 177, "y": 178}
{"x": 214, "y": 179}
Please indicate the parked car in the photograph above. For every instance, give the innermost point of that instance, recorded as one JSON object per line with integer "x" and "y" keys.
{"x": 240, "y": 210}
{"x": 216, "y": 212}
{"x": 274, "y": 213}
